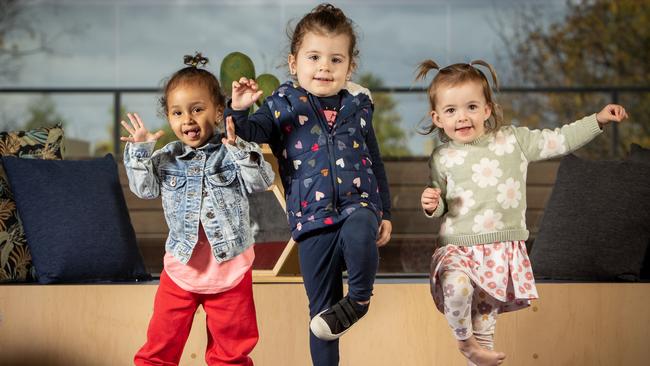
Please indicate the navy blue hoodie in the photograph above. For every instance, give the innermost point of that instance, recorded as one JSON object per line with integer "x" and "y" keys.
{"x": 326, "y": 174}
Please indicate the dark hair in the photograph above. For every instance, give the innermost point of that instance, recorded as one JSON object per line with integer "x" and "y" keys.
{"x": 193, "y": 74}
{"x": 324, "y": 19}
{"x": 456, "y": 74}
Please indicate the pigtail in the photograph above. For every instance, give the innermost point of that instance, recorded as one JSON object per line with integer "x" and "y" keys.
{"x": 496, "y": 120}
{"x": 196, "y": 60}
{"x": 424, "y": 67}
{"x": 425, "y": 128}
{"x": 493, "y": 73}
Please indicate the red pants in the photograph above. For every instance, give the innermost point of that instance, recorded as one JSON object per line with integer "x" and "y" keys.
{"x": 230, "y": 318}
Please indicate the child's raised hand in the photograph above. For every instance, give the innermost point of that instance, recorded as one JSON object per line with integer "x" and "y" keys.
{"x": 137, "y": 131}
{"x": 429, "y": 199}
{"x": 611, "y": 113}
{"x": 244, "y": 93}
{"x": 230, "y": 138}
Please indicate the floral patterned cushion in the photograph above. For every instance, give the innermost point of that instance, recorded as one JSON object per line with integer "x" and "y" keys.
{"x": 41, "y": 143}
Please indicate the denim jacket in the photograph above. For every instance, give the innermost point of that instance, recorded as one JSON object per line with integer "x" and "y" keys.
{"x": 209, "y": 184}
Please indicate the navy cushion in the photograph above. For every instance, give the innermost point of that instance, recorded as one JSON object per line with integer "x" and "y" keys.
{"x": 639, "y": 153}
{"x": 642, "y": 155}
{"x": 76, "y": 220}
{"x": 596, "y": 224}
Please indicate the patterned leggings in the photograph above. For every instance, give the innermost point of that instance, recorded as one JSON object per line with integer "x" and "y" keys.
{"x": 469, "y": 310}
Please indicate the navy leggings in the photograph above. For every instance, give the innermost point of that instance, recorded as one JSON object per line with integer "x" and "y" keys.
{"x": 323, "y": 258}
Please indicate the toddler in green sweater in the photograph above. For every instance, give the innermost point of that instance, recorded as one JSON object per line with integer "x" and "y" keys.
{"x": 478, "y": 188}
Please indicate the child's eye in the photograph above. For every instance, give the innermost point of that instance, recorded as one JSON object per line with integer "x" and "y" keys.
{"x": 313, "y": 57}
{"x": 176, "y": 113}
{"x": 337, "y": 60}
{"x": 450, "y": 110}
{"x": 197, "y": 109}
{"x": 473, "y": 107}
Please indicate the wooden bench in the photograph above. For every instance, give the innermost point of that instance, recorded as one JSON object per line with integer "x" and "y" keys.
{"x": 104, "y": 325}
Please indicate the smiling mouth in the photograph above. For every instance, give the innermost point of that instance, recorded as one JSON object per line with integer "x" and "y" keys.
{"x": 192, "y": 133}
{"x": 324, "y": 79}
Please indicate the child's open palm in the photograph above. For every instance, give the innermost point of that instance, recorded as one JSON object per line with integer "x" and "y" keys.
{"x": 244, "y": 93}
{"x": 137, "y": 131}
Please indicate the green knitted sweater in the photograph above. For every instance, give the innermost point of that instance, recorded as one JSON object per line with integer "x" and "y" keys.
{"x": 483, "y": 183}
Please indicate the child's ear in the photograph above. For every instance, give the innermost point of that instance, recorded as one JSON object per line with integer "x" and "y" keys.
{"x": 488, "y": 110}
{"x": 291, "y": 60}
{"x": 218, "y": 115}
{"x": 435, "y": 118}
{"x": 353, "y": 66}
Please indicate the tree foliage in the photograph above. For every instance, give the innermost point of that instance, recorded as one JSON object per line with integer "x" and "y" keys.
{"x": 598, "y": 43}
{"x": 42, "y": 112}
{"x": 393, "y": 141}
{"x": 18, "y": 37}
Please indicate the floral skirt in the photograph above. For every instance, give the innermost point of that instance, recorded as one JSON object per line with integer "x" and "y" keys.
{"x": 501, "y": 269}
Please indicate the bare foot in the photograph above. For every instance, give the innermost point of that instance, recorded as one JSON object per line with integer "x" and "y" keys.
{"x": 479, "y": 355}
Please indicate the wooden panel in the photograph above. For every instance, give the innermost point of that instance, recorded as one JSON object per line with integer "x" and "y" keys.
{"x": 407, "y": 172}
{"x": 600, "y": 324}
{"x": 543, "y": 172}
{"x": 148, "y": 222}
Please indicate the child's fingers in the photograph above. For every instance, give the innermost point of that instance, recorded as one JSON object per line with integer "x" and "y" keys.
{"x": 134, "y": 122}
{"x": 243, "y": 80}
{"x": 158, "y": 134}
{"x": 230, "y": 129}
{"x": 126, "y": 139}
{"x": 139, "y": 120}
{"x": 128, "y": 128}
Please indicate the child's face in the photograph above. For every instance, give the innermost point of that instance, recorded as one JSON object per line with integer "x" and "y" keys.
{"x": 192, "y": 114}
{"x": 461, "y": 111}
{"x": 322, "y": 64}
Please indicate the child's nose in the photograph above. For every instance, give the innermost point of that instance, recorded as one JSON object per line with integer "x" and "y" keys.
{"x": 324, "y": 66}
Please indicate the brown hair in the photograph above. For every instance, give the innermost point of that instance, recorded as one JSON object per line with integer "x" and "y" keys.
{"x": 193, "y": 74}
{"x": 324, "y": 19}
{"x": 458, "y": 74}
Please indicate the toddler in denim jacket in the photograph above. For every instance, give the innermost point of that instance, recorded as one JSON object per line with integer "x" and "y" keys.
{"x": 204, "y": 179}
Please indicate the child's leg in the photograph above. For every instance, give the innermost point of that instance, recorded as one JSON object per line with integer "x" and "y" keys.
{"x": 321, "y": 267}
{"x": 356, "y": 241}
{"x": 170, "y": 325}
{"x": 359, "y": 240}
{"x": 484, "y": 318}
{"x": 232, "y": 325}
{"x": 458, "y": 299}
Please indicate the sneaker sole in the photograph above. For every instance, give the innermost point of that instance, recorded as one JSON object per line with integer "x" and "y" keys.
{"x": 321, "y": 330}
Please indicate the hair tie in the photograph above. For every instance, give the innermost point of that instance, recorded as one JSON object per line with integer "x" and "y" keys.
{"x": 196, "y": 60}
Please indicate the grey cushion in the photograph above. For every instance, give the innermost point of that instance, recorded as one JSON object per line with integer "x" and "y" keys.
{"x": 596, "y": 225}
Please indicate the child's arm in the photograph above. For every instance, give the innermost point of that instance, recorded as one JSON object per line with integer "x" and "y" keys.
{"x": 547, "y": 144}
{"x": 432, "y": 199}
{"x": 378, "y": 169}
{"x": 138, "y": 160}
{"x": 258, "y": 127}
{"x": 257, "y": 174}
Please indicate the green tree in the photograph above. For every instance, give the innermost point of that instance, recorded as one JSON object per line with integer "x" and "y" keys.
{"x": 393, "y": 140}
{"x": 42, "y": 112}
{"x": 598, "y": 43}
